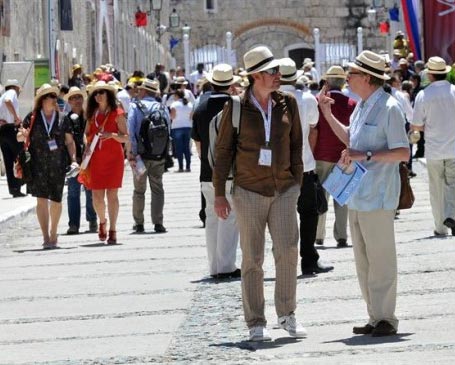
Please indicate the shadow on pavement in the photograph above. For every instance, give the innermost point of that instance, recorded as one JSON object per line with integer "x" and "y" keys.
{"x": 210, "y": 280}
{"x": 44, "y": 250}
{"x": 255, "y": 346}
{"x": 100, "y": 244}
{"x": 361, "y": 340}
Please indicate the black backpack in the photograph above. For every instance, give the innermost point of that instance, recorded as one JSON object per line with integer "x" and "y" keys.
{"x": 154, "y": 133}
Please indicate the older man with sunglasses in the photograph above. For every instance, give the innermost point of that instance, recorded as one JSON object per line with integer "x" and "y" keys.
{"x": 267, "y": 149}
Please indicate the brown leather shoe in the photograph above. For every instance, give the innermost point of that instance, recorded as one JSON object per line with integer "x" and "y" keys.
{"x": 383, "y": 328}
{"x": 364, "y": 330}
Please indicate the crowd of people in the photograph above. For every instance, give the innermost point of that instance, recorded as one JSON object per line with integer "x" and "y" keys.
{"x": 294, "y": 126}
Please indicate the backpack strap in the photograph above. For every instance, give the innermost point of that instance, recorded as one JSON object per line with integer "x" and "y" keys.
{"x": 236, "y": 112}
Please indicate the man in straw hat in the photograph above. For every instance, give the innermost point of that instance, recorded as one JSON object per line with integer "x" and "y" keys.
{"x": 328, "y": 149}
{"x": 147, "y": 93}
{"x": 434, "y": 108}
{"x": 376, "y": 138}
{"x": 9, "y": 121}
{"x": 268, "y": 175}
{"x": 76, "y": 121}
{"x": 307, "y": 203}
{"x": 221, "y": 236}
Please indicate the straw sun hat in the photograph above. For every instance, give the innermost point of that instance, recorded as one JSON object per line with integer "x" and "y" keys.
{"x": 259, "y": 59}
{"x": 222, "y": 75}
{"x": 370, "y": 63}
{"x": 288, "y": 70}
{"x": 74, "y": 90}
{"x": 437, "y": 65}
{"x": 46, "y": 89}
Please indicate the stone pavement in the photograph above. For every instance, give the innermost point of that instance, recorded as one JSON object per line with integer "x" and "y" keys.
{"x": 149, "y": 300}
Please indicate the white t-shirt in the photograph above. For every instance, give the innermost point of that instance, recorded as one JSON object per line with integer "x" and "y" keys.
{"x": 182, "y": 115}
{"x": 309, "y": 116}
{"x": 124, "y": 97}
{"x": 10, "y": 95}
{"x": 434, "y": 108}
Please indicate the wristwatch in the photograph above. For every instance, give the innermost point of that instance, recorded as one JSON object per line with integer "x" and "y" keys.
{"x": 369, "y": 155}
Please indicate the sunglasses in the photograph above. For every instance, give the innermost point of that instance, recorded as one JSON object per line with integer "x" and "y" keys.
{"x": 355, "y": 73}
{"x": 75, "y": 97}
{"x": 52, "y": 96}
{"x": 272, "y": 71}
{"x": 99, "y": 92}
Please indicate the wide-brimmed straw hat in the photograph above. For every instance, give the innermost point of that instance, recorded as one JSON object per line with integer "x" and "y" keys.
{"x": 12, "y": 82}
{"x": 222, "y": 75}
{"x": 74, "y": 90}
{"x": 180, "y": 80}
{"x": 288, "y": 70}
{"x": 44, "y": 90}
{"x": 76, "y": 67}
{"x": 103, "y": 85}
{"x": 259, "y": 59}
{"x": 150, "y": 85}
{"x": 437, "y": 65}
{"x": 335, "y": 72}
{"x": 370, "y": 63}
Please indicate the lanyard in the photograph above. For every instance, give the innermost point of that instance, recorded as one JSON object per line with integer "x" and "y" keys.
{"x": 46, "y": 125}
{"x": 267, "y": 119}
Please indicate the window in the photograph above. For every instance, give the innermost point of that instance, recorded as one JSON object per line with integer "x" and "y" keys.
{"x": 210, "y": 6}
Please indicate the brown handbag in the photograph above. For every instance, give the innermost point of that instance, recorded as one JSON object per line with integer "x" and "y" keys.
{"x": 406, "y": 194}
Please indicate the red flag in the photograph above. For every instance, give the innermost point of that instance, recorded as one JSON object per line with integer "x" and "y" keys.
{"x": 439, "y": 23}
{"x": 384, "y": 27}
{"x": 141, "y": 19}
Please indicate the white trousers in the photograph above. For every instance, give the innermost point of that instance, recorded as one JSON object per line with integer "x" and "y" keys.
{"x": 441, "y": 178}
{"x": 222, "y": 236}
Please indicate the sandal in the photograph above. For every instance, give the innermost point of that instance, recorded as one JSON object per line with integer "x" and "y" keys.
{"x": 112, "y": 240}
{"x": 102, "y": 234}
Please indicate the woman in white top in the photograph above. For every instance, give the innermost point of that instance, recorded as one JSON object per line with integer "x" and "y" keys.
{"x": 181, "y": 129}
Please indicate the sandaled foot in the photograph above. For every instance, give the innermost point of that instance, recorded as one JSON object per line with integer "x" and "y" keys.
{"x": 102, "y": 234}
{"x": 112, "y": 240}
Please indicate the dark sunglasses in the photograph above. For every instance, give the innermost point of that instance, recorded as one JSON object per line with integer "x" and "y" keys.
{"x": 99, "y": 92}
{"x": 52, "y": 96}
{"x": 272, "y": 71}
{"x": 75, "y": 97}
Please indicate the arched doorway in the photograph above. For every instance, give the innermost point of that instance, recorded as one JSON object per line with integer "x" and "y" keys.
{"x": 298, "y": 52}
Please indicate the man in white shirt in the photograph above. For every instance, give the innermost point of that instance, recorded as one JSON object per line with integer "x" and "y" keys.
{"x": 434, "y": 109}
{"x": 306, "y": 205}
{"x": 196, "y": 75}
{"x": 9, "y": 121}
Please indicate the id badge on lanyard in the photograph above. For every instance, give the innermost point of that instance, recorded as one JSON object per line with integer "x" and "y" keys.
{"x": 265, "y": 153}
{"x": 51, "y": 142}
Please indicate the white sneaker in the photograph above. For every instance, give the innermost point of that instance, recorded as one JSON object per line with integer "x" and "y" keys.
{"x": 259, "y": 333}
{"x": 290, "y": 324}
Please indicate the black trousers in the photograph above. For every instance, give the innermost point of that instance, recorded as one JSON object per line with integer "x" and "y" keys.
{"x": 306, "y": 207}
{"x": 10, "y": 149}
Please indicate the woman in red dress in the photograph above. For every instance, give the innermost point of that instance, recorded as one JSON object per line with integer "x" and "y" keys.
{"x": 105, "y": 118}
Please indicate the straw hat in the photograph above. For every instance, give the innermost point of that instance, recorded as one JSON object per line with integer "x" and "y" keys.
{"x": 76, "y": 67}
{"x": 304, "y": 80}
{"x": 259, "y": 59}
{"x": 150, "y": 85}
{"x": 370, "y": 63}
{"x": 437, "y": 65}
{"x": 74, "y": 90}
{"x": 403, "y": 61}
{"x": 44, "y": 90}
{"x": 335, "y": 72}
{"x": 180, "y": 80}
{"x": 288, "y": 70}
{"x": 103, "y": 85}
{"x": 12, "y": 82}
{"x": 308, "y": 61}
{"x": 222, "y": 75}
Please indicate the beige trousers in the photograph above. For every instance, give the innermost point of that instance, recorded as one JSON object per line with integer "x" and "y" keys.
{"x": 254, "y": 213}
{"x": 441, "y": 179}
{"x": 340, "y": 229}
{"x": 373, "y": 241}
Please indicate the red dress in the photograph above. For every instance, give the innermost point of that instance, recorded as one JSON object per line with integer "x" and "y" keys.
{"x": 106, "y": 163}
